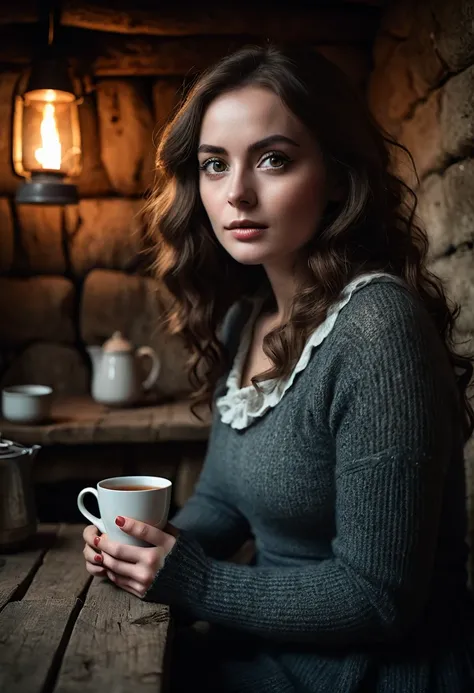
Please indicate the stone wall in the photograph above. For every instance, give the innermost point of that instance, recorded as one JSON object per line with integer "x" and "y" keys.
{"x": 70, "y": 277}
{"x": 422, "y": 92}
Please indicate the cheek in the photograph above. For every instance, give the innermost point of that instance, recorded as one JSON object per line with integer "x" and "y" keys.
{"x": 213, "y": 204}
{"x": 305, "y": 199}
{"x": 206, "y": 199}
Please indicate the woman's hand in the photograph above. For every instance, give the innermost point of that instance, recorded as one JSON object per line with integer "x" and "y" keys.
{"x": 132, "y": 568}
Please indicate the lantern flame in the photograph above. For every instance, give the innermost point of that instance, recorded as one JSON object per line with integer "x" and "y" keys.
{"x": 49, "y": 155}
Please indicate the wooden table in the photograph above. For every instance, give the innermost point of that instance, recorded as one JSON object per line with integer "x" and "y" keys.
{"x": 80, "y": 420}
{"x": 62, "y": 631}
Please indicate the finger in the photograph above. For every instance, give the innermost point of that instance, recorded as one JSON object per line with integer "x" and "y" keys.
{"x": 96, "y": 570}
{"x": 123, "y": 552}
{"x": 91, "y": 555}
{"x": 133, "y": 571}
{"x": 90, "y": 533}
{"x": 94, "y": 563}
{"x": 131, "y": 586}
{"x": 145, "y": 532}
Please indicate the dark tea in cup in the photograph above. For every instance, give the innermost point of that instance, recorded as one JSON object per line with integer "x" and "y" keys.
{"x": 130, "y": 488}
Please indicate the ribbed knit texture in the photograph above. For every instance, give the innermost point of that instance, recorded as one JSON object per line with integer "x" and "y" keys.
{"x": 353, "y": 486}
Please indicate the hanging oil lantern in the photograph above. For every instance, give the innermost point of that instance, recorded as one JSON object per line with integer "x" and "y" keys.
{"x": 46, "y": 133}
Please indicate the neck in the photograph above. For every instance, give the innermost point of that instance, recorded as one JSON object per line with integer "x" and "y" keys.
{"x": 284, "y": 281}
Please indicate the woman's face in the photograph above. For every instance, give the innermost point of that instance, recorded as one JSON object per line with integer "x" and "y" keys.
{"x": 262, "y": 180}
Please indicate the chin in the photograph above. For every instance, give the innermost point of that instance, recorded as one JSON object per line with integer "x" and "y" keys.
{"x": 250, "y": 257}
{"x": 246, "y": 253}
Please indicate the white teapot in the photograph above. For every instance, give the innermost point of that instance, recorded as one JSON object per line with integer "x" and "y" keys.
{"x": 116, "y": 375}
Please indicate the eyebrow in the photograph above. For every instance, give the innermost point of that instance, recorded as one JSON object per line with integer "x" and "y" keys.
{"x": 256, "y": 146}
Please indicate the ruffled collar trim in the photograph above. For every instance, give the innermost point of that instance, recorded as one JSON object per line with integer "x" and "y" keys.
{"x": 241, "y": 406}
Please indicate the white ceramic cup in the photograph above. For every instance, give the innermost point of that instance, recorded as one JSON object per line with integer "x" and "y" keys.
{"x": 27, "y": 403}
{"x": 150, "y": 506}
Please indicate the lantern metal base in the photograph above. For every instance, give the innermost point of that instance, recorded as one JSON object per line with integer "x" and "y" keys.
{"x": 47, "y": 189}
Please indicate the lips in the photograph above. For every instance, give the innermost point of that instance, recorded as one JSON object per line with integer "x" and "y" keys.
{"x": 245, "y": 224}
{"x": 247, "y": 234}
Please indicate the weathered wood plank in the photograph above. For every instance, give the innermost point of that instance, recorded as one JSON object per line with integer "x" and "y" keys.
{"x": 30, "y": 636}
{"x": 33, "y": 631}
{"x": 118, "y": 643}
{"x": 17, "y": 569}
{"x": 114, "y": 55}
{"x": 62, "y": 575}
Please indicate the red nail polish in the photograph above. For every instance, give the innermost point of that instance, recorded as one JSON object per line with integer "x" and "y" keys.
{"x": 96, "y": 541}
{"x": 120, "y": 521}
{"x": 97, "y": 558}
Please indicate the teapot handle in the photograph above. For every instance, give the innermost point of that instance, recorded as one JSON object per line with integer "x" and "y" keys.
{"x": 152, "y": 377}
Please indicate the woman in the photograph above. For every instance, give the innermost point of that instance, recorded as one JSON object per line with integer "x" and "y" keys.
{"x": 340, "y": 409}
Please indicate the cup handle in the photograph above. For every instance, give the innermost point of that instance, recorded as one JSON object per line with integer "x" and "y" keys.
{"x": 92, "y": 518}
{"x": 152, "y": 377}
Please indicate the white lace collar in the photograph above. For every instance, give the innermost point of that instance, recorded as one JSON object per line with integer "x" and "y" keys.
{"x": 240, "y": 406}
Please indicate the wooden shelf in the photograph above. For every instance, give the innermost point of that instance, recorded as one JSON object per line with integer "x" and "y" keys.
{"x": 80, "y": 420}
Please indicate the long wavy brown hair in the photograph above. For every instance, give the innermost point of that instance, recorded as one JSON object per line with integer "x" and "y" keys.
{"x": 373, "y": 228}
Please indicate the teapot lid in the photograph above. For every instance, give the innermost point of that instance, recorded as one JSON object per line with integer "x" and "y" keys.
{"x": 9, "y": 449}
{"x": 117, "y": 343}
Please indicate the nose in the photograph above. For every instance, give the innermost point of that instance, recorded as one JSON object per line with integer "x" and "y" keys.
{"x": 241, "y": 193}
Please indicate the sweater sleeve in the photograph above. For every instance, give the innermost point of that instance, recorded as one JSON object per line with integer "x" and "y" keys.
{"x": 391, "y": 417}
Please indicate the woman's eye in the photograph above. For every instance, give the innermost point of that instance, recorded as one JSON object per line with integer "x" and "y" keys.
{"x": 275, "y": 160}
{"x": 213, "y": 166}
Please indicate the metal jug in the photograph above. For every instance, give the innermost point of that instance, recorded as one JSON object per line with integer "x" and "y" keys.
{"x": 17, "y": 504}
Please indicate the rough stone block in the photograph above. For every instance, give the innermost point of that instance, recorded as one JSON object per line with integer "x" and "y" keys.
{"x": 405, "y": 72}
{"x": 7, "y": 238}
{"x": 457, "y": 114}
{"x": 135, "y": 306}
{"x": 457, "y": 273}
{"x": 446, "y": 206}
{"x": 454, "y": 31}
{"x": 421, "y": 135}
{"x": 431, "y": 212}
{"x": 420, "y": 52}
{"x": 469, "y": 467}
{"x": 166, "y": 95}
{"x": 384, "y": 46}
{"x": 93, "y": 179}
{"x": 104, "y": 233}
{"x": 8, "y": 180}
{"x": 390, "y": 91}
{"x": 39, "y": 308}
{"x": 126, "y": 132}
{"x": 61, "y": 367}
{"x": 41, "y": 229}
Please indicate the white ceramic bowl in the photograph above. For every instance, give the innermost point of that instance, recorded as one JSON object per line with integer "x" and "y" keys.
{"x": 27, "y": 403}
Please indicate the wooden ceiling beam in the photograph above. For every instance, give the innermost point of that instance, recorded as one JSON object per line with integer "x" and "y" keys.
{"x": 347, "y": 23}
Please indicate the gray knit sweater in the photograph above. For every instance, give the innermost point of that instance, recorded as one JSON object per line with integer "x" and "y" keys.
{"x": 353, "y": 487}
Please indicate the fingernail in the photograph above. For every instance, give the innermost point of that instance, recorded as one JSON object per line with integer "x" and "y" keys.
{"x": 98, "y": 558}
{"x": 96, "y": 541}
{"x": 120, "y": 521}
